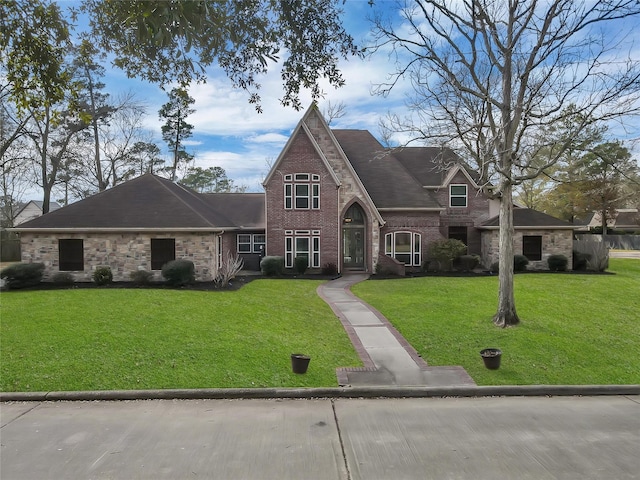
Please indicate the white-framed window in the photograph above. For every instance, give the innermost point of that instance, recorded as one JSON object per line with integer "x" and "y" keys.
{"x": 302, "y": 191}
{"x": 458, "y": 196}
{"x": 251, "y": 242}
{"x": 259, "y": 242}
{"x": 302, "y": 243}
{"x": 404, "y": 247}
{"x": 219, "y": 256}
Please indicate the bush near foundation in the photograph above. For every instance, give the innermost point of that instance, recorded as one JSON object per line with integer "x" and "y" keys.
{"x": 520, "y": 263}
{"x": 141, "y": 277}
{"x": 272, "y": 266}
{"x": 179, "y": 272}
{"x": 63, "y": 278}
{"x": 558, "y": 263}
{"x": 102, "y": 276}
{"x": 300, "y": 265}
{"x": 22, "y": 275}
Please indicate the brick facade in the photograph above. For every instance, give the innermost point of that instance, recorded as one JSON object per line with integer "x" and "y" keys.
{"x": 302, "y": 157}
{"x": 123, "y": 253}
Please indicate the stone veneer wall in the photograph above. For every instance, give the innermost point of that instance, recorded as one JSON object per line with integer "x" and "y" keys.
{"x": 124, "y": 253}
{"x": 554, "y": 242}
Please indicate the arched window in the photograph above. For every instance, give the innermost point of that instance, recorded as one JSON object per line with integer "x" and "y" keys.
{"x": 354, "y": 215}
{"x": 404, "y": 247}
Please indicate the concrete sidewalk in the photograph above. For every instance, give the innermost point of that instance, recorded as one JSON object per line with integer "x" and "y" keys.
{"x": 346, "y": 439}
{"x": 389, "y": 360}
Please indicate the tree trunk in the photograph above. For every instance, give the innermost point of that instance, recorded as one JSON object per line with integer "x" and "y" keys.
{"x": 506, "y": 314}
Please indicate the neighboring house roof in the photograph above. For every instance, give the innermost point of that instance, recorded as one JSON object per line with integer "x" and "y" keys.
{"x": 626, "y": 218}
{"x": 32, "y": 209}
{"x": 389, "y": 183}
{"x": 525, "y": 218}
{"x": 152, "y": 203}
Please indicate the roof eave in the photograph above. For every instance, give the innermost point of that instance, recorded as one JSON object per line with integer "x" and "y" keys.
{"x": 529, "y": 227}
{"x": 411, "y": 209}
{"x": 119, "y": 229}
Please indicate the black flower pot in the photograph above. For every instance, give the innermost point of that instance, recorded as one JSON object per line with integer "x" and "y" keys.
{"x": 299, "y": 362}
{"x": 491, "y": 358}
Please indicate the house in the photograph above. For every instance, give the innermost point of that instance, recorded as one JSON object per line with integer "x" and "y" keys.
{"x": 336, "y": 197}
{"x": 32, "y": 209}
{"x": 626, "y": 219}
{"x": 142, "y": 224}
{"x": 339, "y": 197}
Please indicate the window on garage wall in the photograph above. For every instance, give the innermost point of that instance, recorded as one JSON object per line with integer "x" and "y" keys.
{"x": 163, "y": 250}
{"x": 532, "y": 247}
{"x": 71, "y": 254}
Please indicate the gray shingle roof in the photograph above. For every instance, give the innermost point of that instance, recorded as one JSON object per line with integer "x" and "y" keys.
{"x": 526, "y": 217}
{"x": 388, "y": 182}
{"x": 429, "y": 165}
{"x": 149, "y": 202}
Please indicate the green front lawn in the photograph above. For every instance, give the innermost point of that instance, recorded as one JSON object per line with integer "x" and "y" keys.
{"x": 102, "y": 339}
{"x": 575, "y": 329}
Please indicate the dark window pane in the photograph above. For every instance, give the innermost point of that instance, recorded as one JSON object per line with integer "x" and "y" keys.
{"x": 71, "y": 254}
{"x": 458, "y": 233}
{"x": 532, "y": 247}
{"x": 163, "y": 250}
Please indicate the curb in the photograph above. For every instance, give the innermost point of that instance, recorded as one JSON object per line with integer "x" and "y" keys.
{"x": 307, "y": 393}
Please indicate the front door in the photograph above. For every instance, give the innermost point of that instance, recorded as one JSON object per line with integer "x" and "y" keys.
{"x": 353, "y": 247}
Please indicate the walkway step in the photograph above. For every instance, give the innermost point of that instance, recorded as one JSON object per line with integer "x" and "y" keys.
{"x": 388, "y": 358}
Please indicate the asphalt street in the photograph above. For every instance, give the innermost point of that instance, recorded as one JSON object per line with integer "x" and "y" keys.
{"x": 566, "y": 437}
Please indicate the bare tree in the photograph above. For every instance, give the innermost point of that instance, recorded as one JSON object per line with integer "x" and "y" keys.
{"x": 52, "y": 132}
{"x": 488, "y": 77}
{"x": 334, "y": 111}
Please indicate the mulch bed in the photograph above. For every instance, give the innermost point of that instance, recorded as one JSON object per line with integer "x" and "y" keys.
{"x": 235, "y": 284}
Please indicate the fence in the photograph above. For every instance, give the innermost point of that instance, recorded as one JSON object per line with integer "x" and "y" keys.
{"x": 616, "y": 242}
{"x": 9, "y": 247}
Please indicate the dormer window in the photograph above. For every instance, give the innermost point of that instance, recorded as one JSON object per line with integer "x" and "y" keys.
{"x": 457, "y": 196}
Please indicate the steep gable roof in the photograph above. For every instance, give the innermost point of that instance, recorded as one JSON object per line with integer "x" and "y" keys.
{"x": 302, "y": 127}
{"x": 388, "y": 182}
{"x": 528, "y": 218}
{"x": 147, "y": 202}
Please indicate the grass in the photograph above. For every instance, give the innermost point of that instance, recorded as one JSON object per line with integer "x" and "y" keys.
{"x": 575, "y": 329}
{"x": 99, "y": 339}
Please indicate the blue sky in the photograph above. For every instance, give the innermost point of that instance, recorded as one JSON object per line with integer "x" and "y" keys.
{"x": 229, "y": 133}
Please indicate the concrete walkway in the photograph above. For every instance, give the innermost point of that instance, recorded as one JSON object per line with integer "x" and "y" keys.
{"x": 389, "y": 360}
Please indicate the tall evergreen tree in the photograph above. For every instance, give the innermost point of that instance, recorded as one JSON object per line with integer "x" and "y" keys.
{"x": 176, "y": 129}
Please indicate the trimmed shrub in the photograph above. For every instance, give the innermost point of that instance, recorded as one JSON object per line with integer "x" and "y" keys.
{"x": 179, "y": 272}
{"x": 580, "y": 260}
{"x": 468, "y": 263}
{"x": 63, "y": 278}
{"x": 300, "y": 265}
{"x": 141, "y": 277}
{"x": 330, "y": 269}
{"x": 446, "y": 251}
{"x": 520, "y": 263}
{"x": 22, "y": 275}
{"x": 272, "y": 266}
{"x": 102, "y": 276}
{"x": 558, "y": 263}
